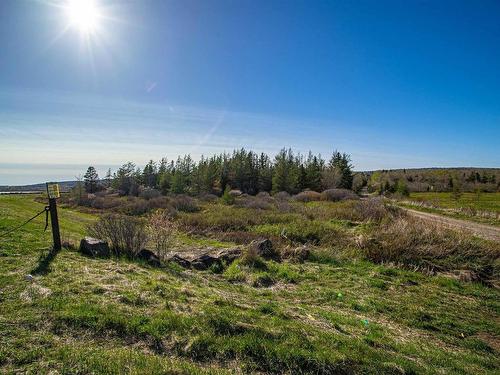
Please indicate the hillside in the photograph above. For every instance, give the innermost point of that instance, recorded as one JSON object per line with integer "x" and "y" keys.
{"x": 63, "y": 186}
{"x": 331, "y": 314}
{"x": 468, "y": 179}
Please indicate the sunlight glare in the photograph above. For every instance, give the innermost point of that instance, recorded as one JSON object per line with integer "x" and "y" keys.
{"x": 83, "y": 15}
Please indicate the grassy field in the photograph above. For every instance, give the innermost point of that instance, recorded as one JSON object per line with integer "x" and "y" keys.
{"x": 331, "y": 314}
{"x": 482, "y": 208}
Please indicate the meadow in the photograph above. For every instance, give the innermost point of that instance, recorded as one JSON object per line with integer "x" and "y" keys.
{"x": 378, "y": 292}
{"x": 480, "y": 207}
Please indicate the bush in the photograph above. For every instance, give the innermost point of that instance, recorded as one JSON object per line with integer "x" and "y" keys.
{"x": 184, "y": 203}
{"x": 221, "y": 218}
{"x": 149, "y": 193}
{"x": 98, "y": 203}
{"x": 307, "y": 196}
{"x": 428, "y": 246}
{"x": 227, "y": 198}
{"x": 159, "y": 202}
{"x": 135, "y": 206}
{"x": 126, "y": 235}
{"x": 209, "y": 198}
{"x": 304, "y": 231}
{"x": 253, "y": 202}
{"x": 282, "y": 196}
{"x": 161, "y": 230}
{"x": 335, "y": 195}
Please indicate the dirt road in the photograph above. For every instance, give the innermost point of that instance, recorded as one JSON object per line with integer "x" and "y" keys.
{"x": 481, "y": 230}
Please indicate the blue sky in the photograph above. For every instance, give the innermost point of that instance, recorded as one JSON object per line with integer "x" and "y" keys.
{"x": 393, "y": 83}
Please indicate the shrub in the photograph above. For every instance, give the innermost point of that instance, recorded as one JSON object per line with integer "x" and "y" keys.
{"x": 303, "y": 231}
{"x": 159, "y": 202}
{"x": 253, "y": 202}
{"x": 161, "y": 230}
{"x": 402, "y": 189}
{"x": 221, "y": 218}
{"x": 184, "y": 203}
{"x": 335, "y": 195}
{"x": 126, "y": 235}
{"x": 97, "y": 202}
{"x": 308, "y": 196}
{"x": 282, "y": 196}
{"x": 227, "y": 198}
{"x": 149, "y": 193}
{"x": 209, "y": 198}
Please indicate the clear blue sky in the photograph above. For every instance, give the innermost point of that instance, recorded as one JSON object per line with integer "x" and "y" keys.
{"x": 394, "y": 83}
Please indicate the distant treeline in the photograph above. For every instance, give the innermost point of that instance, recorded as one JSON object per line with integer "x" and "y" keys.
{"x": 243, "y": 170}
{"x": 434, "y": 179}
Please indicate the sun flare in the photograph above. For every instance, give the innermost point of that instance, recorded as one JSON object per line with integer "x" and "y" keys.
{"x": 83, "y": 15}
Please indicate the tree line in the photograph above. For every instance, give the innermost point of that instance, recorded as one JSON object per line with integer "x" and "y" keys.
{"x": 247, "y": 171}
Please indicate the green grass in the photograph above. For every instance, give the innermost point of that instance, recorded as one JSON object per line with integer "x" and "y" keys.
{"x": 482, "y": 207}
{"x": 330, "y": 315}
{"x": 481, "y": 201}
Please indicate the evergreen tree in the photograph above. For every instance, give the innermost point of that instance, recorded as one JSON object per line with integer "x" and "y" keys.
{"x": 340, "y": 171}
{"x": 286, "y": 172}
{"x": 265, "y": 173}
{"x": 227, "y": 198}
{"x": 91, "y": 180}
{"x": 126, "y": 179}
{"x": 150, "y": 174}
{"x": 314, "y": 170}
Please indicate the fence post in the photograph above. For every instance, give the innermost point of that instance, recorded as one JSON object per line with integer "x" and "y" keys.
{"x": 53, "y": 193}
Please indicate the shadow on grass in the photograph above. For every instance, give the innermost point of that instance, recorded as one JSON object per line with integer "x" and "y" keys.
{"x": 44, "y": 261}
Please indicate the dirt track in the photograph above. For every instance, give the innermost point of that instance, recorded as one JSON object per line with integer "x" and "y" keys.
{"x": 481, "y": 230}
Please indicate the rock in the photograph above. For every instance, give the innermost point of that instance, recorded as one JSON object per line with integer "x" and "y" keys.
{"x": 264, "y": 248}
{"x": 202, "y": 259}
{"x": 180, "y": 261}
{"x": 204, "y": 262}
{"x": 149, "y": 257}
{"x": 29, "y": 277}
{"x": 296, "y": 254}
{"x": 94, "y": 247}
{"x": 235, "y": 193}
{"x": 229, "y": 255}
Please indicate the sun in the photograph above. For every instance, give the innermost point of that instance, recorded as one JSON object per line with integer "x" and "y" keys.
{"x": 83, "y": 15}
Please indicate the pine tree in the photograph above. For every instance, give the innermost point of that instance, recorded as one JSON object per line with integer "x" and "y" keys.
{"x": 91, "y": 180}
{"x": 286, "y": 172}
{"x": 338, "y": 173}
{"x": 150, "y": 174}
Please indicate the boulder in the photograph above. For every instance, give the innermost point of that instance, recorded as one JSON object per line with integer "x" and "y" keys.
{"x": 150, "y": 257}
{"x": 204, "y": 262}
{"x": 264, "y": 248}
{"x": 179, "y": 260}
{"x": 202, "y": 259}
{"x": 228, "y": 255}
{"x": 94, "y": 247}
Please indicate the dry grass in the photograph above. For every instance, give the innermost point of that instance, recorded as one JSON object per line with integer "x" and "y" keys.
{"x": 412, "y": 242}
